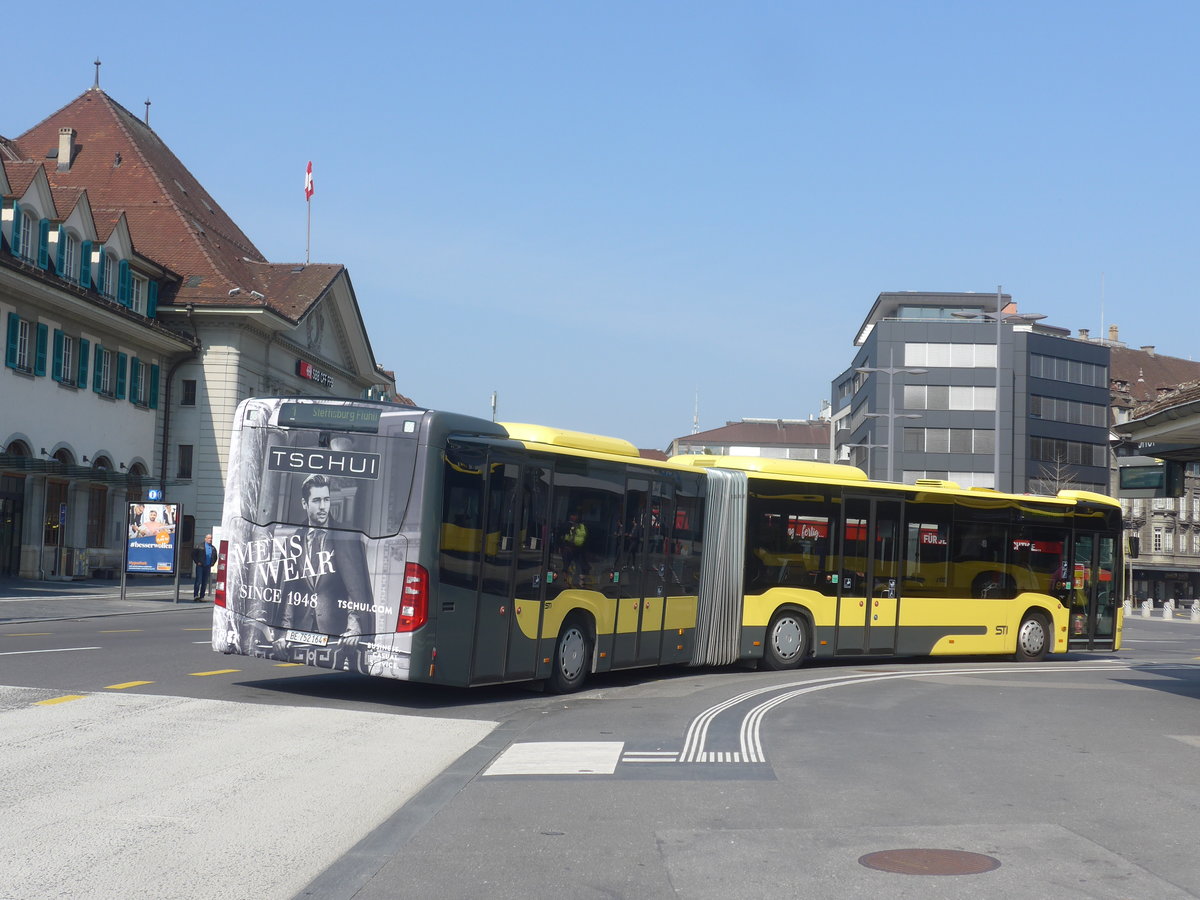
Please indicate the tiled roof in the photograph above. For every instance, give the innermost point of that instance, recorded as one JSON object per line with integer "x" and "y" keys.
{"x": 763, "y": 434}
{"x": 1148, "y": 375}
{"x": 126, "y": 168}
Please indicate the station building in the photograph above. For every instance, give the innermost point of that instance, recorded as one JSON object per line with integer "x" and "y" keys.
{"x": 137, "y": 314}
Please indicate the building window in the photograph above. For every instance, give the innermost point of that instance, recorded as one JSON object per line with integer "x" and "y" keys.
{"x": 109, "y": 287}
{"x": 1158, "y": 540}
{"x": 1072, "y": 412}
{"x": 70, "y": 259}
{"x": 958, "y": 356}
{"x": 1070, "y": 452}
{"x": 28, "y": 226}
{"x": 137, "y": 294}
{"x": 948, "y": 440}
{"x": 1071, "y": 370}
{"x": 189, "y": 392}
{"x": 97, "y": 515}
{"x": 943, "y": 396}
{"x": 185, "y": 461}
{"x": 18, "y": 343}
{"x": 64, "y": 358}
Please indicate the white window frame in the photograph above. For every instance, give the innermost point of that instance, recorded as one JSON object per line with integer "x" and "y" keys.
{"x": 137, "y": 294}
{"x": 24, "y": 331}
{"x": 28, "y": 250}
{"x": 70, "y": 258}
{"x": 106, "y": 361}
{"x": 66, "y": 372}
{"x": 109, "y": 288}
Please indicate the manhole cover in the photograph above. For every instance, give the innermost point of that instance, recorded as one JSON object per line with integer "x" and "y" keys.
{"x": 930, "y": 862}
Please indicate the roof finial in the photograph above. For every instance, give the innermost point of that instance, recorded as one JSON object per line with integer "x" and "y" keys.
{"x": 147, "y": 110}
{"x": 96, "y": 86}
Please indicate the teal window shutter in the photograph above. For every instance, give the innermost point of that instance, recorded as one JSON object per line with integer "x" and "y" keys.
{"x": 152, "y": 299}
{"x": 56, "y": 371}
{"x": 14, "y": 332}
{"x": 98, "y": 370}
{"x": 100, "y": 270}
{"x": 81, "y": 379}
{"x": 85, "y": 264}
{"x": 154, "y": 387}
{"x": 124, "y": 283}
{"x": 122, "y": 366}
{"x": 62, "y": 250}
{"x": 43, "y": 338}
{"x": 14, "y": 247}
{"x": 43, "y": 258}
{"x": 135, "y": 380}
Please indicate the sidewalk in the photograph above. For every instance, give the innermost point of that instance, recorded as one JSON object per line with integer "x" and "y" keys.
{"x": 29, "y": 600}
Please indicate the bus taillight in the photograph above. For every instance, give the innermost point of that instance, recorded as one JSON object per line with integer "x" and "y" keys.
{"x": 219, "y": 586}
{"x": 414, "y": 602}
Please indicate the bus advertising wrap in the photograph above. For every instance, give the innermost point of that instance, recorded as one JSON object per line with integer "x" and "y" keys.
{"x": 151, "y": 543}
{"x": 311, "y": 574}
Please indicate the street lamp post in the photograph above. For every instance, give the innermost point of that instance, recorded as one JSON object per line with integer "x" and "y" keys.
{"x": 1000, "y": 317}
{"x": 891, "y": 415}
{"x": 868, "y": 448}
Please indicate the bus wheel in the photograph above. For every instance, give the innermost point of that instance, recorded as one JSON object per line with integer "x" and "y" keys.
{"x": 787, "y": 641}
{"x": 572, "y": 655}
{"x": 1033, "y": 639}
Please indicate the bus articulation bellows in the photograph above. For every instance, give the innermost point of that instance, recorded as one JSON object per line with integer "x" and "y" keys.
{"x": 428, "y": 546}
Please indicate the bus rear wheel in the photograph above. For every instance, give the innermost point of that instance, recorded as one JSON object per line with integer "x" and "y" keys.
{"x": 1033, "y": 639}
{"x": 787, "y": 641}
{"x": 572, "y": 656}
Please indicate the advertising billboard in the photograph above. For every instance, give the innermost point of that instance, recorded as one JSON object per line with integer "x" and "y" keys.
{"x": 151, "y": 539}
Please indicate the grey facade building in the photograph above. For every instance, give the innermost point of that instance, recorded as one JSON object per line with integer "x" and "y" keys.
{"x": 964, "y": 387}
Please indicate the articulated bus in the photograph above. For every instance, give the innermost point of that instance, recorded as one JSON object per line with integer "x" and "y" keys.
{"x": 433, "y": 547}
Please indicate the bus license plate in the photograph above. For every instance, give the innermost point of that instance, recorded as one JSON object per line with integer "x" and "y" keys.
{"x": 307, "y": 637}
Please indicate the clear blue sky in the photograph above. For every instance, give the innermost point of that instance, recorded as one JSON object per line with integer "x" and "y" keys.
{"x": 599, "y": 209}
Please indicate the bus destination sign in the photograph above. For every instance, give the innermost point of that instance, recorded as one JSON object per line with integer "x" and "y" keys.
{"x": 329, "y": 416}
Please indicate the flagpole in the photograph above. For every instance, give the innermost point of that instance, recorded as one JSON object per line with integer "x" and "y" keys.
{"x": 308, "y": 192}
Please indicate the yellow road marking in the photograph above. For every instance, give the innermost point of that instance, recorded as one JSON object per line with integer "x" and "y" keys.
{"x": 216, "y": 672}
{"x": 123, "y": 631}
{"x": 285, "y": 665}
{"x": 65, "y": 699}
{"x": 127, "y": 684}
{"x": 29, "y": 634}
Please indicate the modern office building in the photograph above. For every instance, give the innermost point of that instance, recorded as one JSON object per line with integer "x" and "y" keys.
{"x": 965, "y": 387}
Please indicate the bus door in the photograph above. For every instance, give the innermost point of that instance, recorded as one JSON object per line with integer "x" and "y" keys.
{"x": 868, "y": 580}
{"x": 508, "y": 614}
{"x": 646, "y": 572}
{"x": 1093, "y": 593}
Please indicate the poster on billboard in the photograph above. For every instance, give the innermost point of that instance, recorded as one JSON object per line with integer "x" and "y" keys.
{"x": 151, "y": 543}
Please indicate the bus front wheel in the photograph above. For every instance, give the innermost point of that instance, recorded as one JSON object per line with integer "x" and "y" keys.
{"x": 787, "y": 641}
{"x": 1033, "y": 639}
{"x": 572, "y": 656}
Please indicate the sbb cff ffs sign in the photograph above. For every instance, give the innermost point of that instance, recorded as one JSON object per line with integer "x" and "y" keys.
{"x": 310, "y": 372}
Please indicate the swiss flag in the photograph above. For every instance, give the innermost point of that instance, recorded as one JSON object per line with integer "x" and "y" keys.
{"x": 308, "y": 182}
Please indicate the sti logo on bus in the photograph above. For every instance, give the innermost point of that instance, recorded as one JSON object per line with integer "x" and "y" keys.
{"x": 323, "y": 462}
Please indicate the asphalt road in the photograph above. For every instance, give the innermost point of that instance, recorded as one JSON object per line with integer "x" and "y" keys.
{"x": 152, "y": 767}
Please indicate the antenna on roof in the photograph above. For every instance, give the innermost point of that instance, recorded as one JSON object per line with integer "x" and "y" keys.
{"x": 696, "y": 414}
{"x": 96, "y": 86}
{"x": 147, "y": 110}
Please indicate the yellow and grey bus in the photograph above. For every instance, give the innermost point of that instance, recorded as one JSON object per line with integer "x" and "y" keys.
{"x": 428, "y": 546}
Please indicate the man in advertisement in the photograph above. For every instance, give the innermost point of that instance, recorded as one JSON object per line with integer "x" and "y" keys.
{"x": 332, "y": 594}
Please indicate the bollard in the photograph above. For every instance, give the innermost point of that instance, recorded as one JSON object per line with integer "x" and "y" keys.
{"x": 1145, "y": 609}
{"x": 1127, "y": 607}
{"x": 1169, "y": 608}
{"x": 1196, "y": 610}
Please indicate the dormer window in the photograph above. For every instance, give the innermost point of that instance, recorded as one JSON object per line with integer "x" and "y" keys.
{"x": 68, "y": 256}
{"x": 137, "y": 294}
{"x": 28, "y": 235}
{"x": 109, "y": 286}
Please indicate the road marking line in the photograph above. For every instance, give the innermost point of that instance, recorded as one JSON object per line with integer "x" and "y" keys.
{"x": 197, "y": 629}
{"x": 123, "y": 631}
{"x": 55, "y": 650}
{"x": 286, "y": 665}
{"x": 127, "y": 684}
{"x": 558, "y": 758}
{"x": 67, "y": 699}
{"x": 29, "y": 634}
{"x": 215, "y": 672}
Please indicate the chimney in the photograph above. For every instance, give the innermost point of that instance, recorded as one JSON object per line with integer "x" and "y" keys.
{"x": 1083, "y": 334}
{"x": 1112, "y": 333}
{"x": 1148, "y": 350}
{"x": 66, "y": 145}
